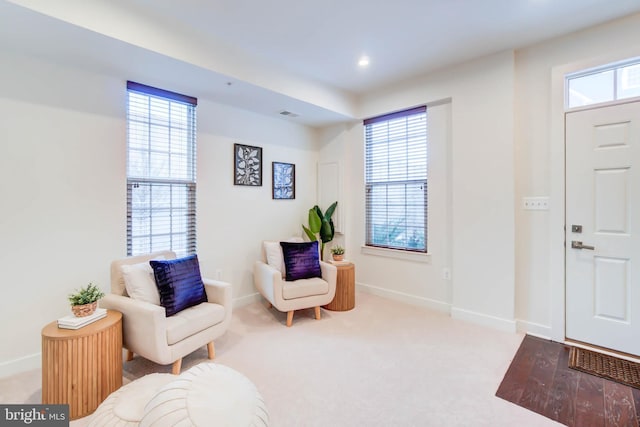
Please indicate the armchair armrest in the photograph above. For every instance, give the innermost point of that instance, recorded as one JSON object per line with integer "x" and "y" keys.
{"x": 144, "y": 324}
{"x": 218, "y": 292}
{"x": 329, "y": 273}
{"x": 268, "y": 281}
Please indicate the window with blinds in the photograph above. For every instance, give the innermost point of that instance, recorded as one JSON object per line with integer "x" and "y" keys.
{"x": 396, "y": 180}
{"x": 161, "y": 171}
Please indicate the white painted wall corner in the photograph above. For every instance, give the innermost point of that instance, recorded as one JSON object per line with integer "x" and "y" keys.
{"x": 246, "y": 300}
{"x": 494, "y": 322}
{"x": 535, "y": 329}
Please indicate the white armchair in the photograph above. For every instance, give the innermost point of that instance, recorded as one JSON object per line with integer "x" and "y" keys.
{"x": 294, "y": 295}
{"x": 166, "y": 340}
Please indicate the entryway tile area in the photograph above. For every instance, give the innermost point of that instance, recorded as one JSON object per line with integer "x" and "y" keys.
{"x": 539, "y": 379}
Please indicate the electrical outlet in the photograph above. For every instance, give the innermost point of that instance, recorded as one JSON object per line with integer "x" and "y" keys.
{"x": 446, "y": 273}
{"x": 535, "y": 203}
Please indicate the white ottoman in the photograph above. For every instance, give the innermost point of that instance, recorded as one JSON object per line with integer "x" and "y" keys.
{"x": 207, "y": 395}
{"x": 125, "y": 406}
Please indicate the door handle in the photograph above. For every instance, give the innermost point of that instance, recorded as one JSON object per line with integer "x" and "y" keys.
{"x": 578, "y": 245}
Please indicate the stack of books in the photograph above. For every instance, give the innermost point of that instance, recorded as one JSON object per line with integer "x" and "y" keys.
{"x": 73, "y": 322}
{"x": 343, "y": 262}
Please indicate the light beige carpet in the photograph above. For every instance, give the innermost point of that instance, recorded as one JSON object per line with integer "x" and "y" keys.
{"x": 384, "y": 363}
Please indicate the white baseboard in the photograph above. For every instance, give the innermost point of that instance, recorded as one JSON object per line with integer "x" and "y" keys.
{"x": 406, "y": 298}
{"x": 16, "y": 366}
{"x": 535, "y": 329}
{"x": 457, "y": 313}
{"x": 246, "y": 300}
{"x": 484, "y": 319}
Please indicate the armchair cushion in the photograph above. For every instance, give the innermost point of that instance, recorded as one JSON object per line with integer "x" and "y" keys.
{"x": 304, "y": 288}
{"x": 193, "y": 320}
{"x": 301, "y": 260}
{"x": 179, "y": 283}
{"x": 140, "y": 282}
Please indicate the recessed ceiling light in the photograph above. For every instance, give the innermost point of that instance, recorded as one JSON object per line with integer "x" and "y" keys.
{"x": 363, "y": 61}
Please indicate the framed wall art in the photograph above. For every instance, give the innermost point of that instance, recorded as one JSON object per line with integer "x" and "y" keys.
{"x": 284, "y": 180}
{"x": 247, "y": 168}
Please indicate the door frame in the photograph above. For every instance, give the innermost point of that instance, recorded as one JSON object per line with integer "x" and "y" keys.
{"x": 557, "y": 192}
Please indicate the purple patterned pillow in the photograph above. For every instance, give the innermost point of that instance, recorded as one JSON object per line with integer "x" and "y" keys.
{"x": 301, "y": 260}
{"x": 179, "y": 283}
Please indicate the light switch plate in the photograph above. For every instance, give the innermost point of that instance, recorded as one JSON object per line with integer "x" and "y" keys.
{"x": 535, "y": 203}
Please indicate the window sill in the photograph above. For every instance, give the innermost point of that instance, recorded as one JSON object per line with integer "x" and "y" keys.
{"x": 397, "y": 254}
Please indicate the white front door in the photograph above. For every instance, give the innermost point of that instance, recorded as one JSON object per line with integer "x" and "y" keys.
{"x": 603, "y": 227}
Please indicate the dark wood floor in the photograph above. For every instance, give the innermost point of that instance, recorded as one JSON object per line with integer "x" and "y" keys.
{"x": 539, "y": 379}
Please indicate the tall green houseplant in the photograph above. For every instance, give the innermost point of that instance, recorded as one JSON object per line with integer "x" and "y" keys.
{"x": 321, "y": 225}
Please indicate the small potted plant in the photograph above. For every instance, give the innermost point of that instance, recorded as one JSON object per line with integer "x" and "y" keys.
{"x": 337, "y": 252}
{"x": 85, "y": 300}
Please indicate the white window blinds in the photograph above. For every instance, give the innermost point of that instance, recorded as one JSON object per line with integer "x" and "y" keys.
{"x": 161, "y": 171}
{"x": 396, "y": 180}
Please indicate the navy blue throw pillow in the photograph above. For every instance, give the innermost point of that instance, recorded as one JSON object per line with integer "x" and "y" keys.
{"x": 179, "y": 283}
{"x": 301, "y": 260}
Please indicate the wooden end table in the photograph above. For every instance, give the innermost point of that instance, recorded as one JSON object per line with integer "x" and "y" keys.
{"x": 345, "y": 298}
{"x": 82, "y": 367}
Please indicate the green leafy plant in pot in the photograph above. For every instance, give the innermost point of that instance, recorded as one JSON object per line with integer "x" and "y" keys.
{"x": 321, "y": 225}
{"x": 85, "y": 300}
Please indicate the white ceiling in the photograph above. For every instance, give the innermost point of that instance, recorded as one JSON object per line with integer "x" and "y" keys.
{"x": 404, "y": 38}
{"x": 284, "y": 54}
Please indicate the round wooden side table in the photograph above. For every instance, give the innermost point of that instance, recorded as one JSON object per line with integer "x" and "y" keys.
{"x": 345, "y": 298}
{"x": 82, "y": 367}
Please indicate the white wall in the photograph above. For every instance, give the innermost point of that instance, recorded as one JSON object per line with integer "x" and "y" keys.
{"x": 504, "y": 259}
{"x": 234, "y": 220}
{"x": 62, "y": 178}
{"x": 402, "y": 279}
{"x": 332, "y": 150}
{"x": 63, "y": 192}
{"x": 539, "y": 234}
{"x": 471, "y": 185}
